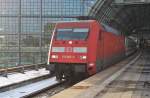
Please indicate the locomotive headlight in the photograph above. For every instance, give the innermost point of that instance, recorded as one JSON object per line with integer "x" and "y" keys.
{"x": 83, "y": 57}
{"x": 54, "y": 56}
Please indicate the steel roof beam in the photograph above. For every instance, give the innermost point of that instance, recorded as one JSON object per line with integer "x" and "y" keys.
{"x": 131, "y": 2}
{"x": 127, "y": 17}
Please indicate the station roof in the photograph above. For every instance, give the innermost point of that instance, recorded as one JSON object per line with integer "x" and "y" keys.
{"x": 128, "y": 16}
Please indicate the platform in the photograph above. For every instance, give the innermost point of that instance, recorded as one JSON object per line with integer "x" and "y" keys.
{"x": 93, "y": 86}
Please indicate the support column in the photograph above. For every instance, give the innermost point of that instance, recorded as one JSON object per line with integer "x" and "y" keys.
{"x": 19, "y": 34}
{"x": 41, "y": 31}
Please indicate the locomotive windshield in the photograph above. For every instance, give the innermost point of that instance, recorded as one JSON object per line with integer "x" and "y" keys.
{"x": 72, "y": 34}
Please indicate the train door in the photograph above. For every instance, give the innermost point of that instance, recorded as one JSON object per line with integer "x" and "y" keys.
{"x": 100, "y": 54}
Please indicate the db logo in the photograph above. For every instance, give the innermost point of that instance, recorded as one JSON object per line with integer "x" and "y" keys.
{"x": 68, "y": 49}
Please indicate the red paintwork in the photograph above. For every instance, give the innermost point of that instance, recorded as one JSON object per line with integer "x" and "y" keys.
{"x": 101, "y": 45}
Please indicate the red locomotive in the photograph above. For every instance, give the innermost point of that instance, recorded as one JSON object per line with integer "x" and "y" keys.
{"x": 83, "y": 48}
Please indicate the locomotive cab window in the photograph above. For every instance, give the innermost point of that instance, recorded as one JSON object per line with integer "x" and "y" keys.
{"x": 72, "y": 34}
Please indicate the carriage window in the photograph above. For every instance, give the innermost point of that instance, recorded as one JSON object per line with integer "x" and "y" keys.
{"x": 72, "y": 34}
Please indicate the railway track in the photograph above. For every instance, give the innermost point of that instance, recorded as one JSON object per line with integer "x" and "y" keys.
{"x": 50, "y": 91}
{"x": 31, "y": 89}
{"x": 4, "y": 71}
{"x": 27, "y": 88}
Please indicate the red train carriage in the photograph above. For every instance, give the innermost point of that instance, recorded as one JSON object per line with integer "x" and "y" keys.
{"x": 84, "y": 48}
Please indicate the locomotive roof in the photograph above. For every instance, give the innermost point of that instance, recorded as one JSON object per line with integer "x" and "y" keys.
{"x": 106, "y": 27}
{"x": 73, "y": 21}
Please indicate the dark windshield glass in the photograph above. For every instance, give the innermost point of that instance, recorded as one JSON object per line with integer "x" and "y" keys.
{"x": 72, "y": 34}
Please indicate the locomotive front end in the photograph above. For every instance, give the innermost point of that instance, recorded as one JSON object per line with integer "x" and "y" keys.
{"x": 69, "y": 50}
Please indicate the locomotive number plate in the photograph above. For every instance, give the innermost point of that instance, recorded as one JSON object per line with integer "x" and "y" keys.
{"x": 68, "y": 57}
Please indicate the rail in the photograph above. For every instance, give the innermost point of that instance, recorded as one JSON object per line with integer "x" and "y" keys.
{"x": 22, "y": 68}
